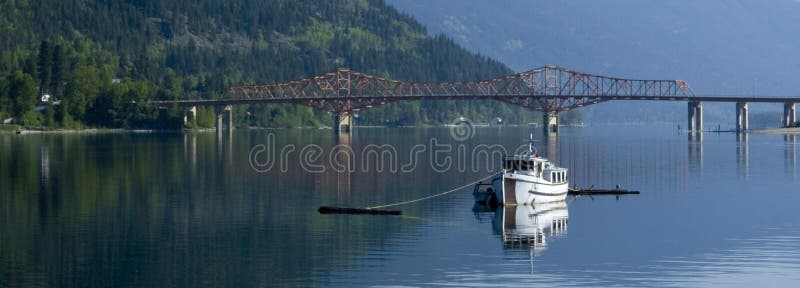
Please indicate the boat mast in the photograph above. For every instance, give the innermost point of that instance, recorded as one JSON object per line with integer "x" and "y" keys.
{"x": 530, "y": 145}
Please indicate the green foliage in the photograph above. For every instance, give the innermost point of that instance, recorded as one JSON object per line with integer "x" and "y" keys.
{"x": 44, "y": 64}
{"x": 22, "y": 93}
{"x": 205, "y": 117}
{"x": 5, "y": 100}
{"x": 196, "y": 49}
{"x": 83, "y": 86}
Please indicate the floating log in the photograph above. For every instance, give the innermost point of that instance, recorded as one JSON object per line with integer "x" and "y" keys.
{"x": 360, "y": 211}
{"x": 601, "y": 192}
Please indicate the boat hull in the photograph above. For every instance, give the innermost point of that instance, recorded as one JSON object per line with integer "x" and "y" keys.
{"x": 522, "y": 189}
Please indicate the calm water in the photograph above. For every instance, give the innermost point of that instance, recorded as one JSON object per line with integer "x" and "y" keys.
{"x": 188, "y": 210}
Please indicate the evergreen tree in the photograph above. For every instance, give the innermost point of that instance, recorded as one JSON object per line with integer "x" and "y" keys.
{"x": 57, "y": 72}
{"x": 185, "y": 49}
{"x": 5, "y": 101}
{"x": 44, "y": 65}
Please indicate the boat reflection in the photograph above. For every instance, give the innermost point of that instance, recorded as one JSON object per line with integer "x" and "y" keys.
{"x": 527, "y": 226}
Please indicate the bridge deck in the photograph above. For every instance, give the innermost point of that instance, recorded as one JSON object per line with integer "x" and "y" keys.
{"x": 550, "y": 89}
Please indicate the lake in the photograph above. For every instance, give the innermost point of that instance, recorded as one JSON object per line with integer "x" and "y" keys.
{"x": 195, "y": 209}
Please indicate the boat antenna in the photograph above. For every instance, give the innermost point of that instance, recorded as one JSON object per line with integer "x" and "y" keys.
{"x": 531, "y": 148}
{"x": 530, "y": 145}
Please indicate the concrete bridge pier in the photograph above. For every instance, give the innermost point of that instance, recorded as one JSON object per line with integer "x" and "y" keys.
{"x": 550, "y": 123}
{"x": 189, "y": 115}
{"x": 224, "y": 117}
{"x": 789, "y": 114}
{"x": 695, "y": 116}
{"x": 551, "y": 147}
{"x": 742, "y": 117}
{"x": 342, "y": 122}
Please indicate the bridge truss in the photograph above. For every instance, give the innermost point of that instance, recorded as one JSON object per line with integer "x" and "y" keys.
{"x": 550, "y": 89}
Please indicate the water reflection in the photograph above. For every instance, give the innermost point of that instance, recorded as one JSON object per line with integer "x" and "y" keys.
{"x": 225, "y": 149}
{"x": 528, "y": 226}
{"x": 344, "y": 160}
{"x": 525, "y": 227}
{"x": 743, "y": 154}
{"x": 551, "y": 149}
{"x": 790, "y": 154}
{"x": 664, "y": 164}
{"x": 190, "y": 148}
{"x": 695, "y": 146}
{"x": 136, "y": 211}
{"x": 695, "y": 136}
{"x": 44, "y": 155}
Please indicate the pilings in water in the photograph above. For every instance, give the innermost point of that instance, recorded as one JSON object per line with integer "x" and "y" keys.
{"x": 189, "y": 116}
{"x": 550, "y": 125}
{"x": 695, "y": 123}
{"x": 789, "y": 114}
{"x": 742, "y": 117}
{"x": 342, "y": 122}
{"x": 550, "y": 122}
{"x": 224, "y": 118}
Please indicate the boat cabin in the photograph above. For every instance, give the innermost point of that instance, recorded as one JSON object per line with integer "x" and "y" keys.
{"x": 557, "y": 175}
{"x": 538, "y": 167}
{"x": 524, "y": 164}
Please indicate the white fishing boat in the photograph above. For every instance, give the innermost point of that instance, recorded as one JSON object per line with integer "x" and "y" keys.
{"x": 526, "y": 179}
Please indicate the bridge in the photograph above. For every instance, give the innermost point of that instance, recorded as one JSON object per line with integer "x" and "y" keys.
{"x": 549, "y": 89}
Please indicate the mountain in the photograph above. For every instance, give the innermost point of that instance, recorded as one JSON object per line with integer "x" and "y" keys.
{"x": 720, "y": 47}
{"x": 106, "y": 59}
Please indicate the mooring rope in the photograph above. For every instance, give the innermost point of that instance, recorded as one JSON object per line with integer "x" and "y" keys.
{"x": 435, "y": 195}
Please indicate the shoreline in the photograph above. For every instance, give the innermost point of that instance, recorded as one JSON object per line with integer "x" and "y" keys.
{"x": 4, "y": 129}
{"x": 14, "y": 129}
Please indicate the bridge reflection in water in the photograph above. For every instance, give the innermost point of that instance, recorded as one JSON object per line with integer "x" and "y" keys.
{"x": 790, "y": 154}
{"x": 343, "y": 155}
{"x": 743, "y": 154}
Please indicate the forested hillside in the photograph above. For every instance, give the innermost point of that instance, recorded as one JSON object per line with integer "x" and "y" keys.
{"x": 105, "y": 59}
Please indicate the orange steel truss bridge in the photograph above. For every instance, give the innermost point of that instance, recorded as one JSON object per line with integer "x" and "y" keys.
{"x": 549, "y": 89}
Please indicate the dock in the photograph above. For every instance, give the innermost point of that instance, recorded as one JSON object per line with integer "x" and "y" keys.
{"x": 575, "y": 191}
{"x": 357, "y": 211}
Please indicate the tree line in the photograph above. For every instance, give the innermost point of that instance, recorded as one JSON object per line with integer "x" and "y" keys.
{"x": 105, "y": 60}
